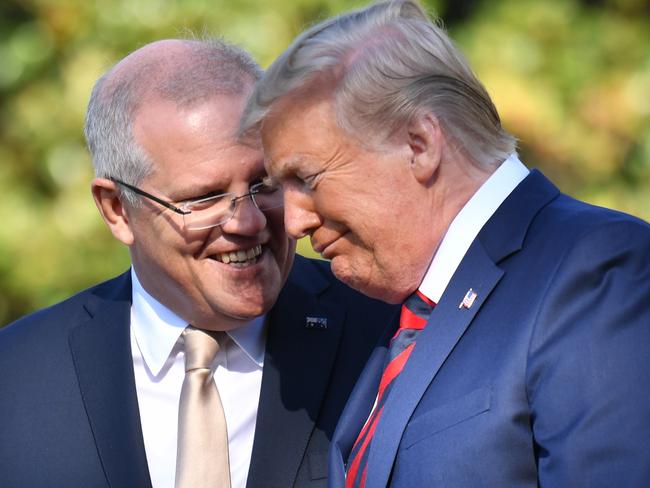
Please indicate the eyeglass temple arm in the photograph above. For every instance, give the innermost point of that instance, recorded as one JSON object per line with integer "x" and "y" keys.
{"x": 151, "y": 197}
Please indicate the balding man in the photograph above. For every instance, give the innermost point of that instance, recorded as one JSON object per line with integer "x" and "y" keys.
{"x": 521, "y": 357}
{"x": 181, "y": 371}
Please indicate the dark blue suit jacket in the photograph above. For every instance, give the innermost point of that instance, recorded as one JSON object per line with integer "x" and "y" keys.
{"x": 545, "y": 380}
{"x": 68, "y": 403}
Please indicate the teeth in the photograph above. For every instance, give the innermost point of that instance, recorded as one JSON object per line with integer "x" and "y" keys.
{"x": 241, "y": 258}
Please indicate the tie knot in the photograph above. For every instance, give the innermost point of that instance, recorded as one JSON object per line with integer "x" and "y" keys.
{"x": 415, "y": 311}
{"x": 200, "y": 346}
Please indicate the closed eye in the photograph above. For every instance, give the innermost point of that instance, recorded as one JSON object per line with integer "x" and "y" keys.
{"x": 211, "y": 194}
{"x": 311, "y": 180}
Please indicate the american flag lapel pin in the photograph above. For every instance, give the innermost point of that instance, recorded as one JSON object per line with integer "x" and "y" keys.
{"x": 468, "y": 300}
{"x": 315, "y": 323}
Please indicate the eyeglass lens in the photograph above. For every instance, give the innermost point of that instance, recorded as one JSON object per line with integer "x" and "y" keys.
{"x": 215, "y": 211}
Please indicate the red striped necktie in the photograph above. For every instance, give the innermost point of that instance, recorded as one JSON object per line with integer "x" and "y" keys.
{"x": 413, "y": 318}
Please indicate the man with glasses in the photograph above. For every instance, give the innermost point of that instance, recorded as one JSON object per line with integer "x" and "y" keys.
{"x": 218, "y": 359}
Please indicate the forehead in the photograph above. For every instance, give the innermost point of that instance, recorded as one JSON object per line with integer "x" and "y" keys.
{"x": 198, "y": 144}
{"x": 299, "y": 129}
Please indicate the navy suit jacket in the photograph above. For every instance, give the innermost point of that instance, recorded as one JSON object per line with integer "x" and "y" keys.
{"x": 544, "y": 380}
{"x": 68, "y": 402}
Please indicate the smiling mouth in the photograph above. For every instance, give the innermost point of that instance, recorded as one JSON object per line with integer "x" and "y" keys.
{"x": 325, "y": 250}
{"x": 240, "y": 259}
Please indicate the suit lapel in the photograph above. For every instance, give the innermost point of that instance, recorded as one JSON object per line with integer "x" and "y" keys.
{"x": 101, "y": 351}
{"x": 357, "y": 410}
{"x": 502, "y": 235}
{"x": 297, "y": 364}
{"x": 444, "y": 329}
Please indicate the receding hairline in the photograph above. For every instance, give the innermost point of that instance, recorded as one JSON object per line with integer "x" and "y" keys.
{"x": 164, "y": 59}
{"x": 186, "y": 72}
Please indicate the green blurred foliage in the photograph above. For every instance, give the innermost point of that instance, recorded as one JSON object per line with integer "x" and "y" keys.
{"x": 570, "y": 78}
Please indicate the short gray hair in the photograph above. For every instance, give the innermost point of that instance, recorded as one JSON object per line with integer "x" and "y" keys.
{"x": 204, "y": 68}
{"x": 388, "y": 63}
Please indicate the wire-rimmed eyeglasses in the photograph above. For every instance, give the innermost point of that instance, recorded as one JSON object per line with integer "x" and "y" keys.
{"x": 216, "y": 210}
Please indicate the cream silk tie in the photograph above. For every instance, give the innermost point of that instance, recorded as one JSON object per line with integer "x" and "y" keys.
{"x": 202, "y": 455}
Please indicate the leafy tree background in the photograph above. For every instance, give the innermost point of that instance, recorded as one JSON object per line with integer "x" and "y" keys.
{"x": 571, "y": 80}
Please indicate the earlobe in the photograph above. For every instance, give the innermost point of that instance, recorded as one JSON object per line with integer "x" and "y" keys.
{"x": 112, "y": 210}
{"x": 425, "y": 141}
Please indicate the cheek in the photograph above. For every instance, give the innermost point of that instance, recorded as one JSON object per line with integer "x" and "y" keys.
{"x": 336, "y": 198}
{"x": 379, "y": 255}
{"x": 358, "y": 207}
{"x": 290, "y": 253}
{"x": 281, "y": 241}
{"x": 163, "y": 248}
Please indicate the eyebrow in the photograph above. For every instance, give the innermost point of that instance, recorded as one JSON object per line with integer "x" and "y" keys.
{"x": 258, "y": 175}
{"x": 205, "y": 195}
{"x": 191, "y": 193}
{"x": 289, "y": 166}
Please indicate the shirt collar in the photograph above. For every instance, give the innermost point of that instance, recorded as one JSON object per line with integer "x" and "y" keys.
{"x": 251, "y": 338}
{"x": 157, "y": 329}
{"x": 468, "y": 223}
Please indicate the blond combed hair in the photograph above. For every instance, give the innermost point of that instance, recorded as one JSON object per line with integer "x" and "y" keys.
{"x": 384, "y": 65}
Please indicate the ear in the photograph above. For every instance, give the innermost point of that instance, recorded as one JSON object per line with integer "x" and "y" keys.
{"x": 112, "y": 210}
{"x": 425, "y": 140}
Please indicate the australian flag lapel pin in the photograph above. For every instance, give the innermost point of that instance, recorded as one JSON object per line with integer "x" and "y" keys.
{"x": 468, "y": 300}
{"x": 316, "y": 323}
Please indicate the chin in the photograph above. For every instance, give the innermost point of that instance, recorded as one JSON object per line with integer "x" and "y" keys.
{"x": 357, "y": 282}
{"x": 343, "y": 274}
{"x": 380, "y": 289}
{"x": 252, "y": 307}
{"x": 383, "y": 293}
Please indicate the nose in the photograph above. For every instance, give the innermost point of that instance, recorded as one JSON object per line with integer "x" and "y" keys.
{"x": 300, "y": 216}
{"x": 247, "y": 220}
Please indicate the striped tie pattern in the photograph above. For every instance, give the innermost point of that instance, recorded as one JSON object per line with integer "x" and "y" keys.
{"x": 413, "y": 318}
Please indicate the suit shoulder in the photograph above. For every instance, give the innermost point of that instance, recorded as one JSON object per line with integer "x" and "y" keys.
{"x": 577, "y": 217}
{"x": 42, "y": 324}
{"x": 568, "y": 225}
{"x": 311, "y": 275}
{"x": 302, "y": 264}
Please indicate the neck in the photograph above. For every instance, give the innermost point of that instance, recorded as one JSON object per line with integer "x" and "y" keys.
{"x": 456, "y": 181}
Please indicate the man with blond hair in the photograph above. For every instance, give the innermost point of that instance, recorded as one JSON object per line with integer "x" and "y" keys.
{"x": 520, "y": 358}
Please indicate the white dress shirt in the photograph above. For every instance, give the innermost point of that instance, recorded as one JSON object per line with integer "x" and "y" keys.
{"x": 159, "y": 367}
{"x": 468, "y": 223}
